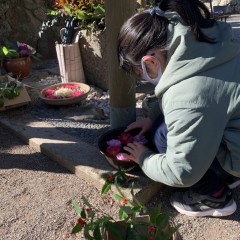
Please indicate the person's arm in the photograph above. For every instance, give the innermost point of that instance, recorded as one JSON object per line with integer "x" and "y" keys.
{"x": 193, "y": 139}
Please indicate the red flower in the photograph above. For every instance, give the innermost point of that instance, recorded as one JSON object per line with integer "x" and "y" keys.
{"x": 81, "y": 222}
{"x": 125, "y": 138}
{"x": 76, "y": 94}
{"x": 110, "y": 178}
{"x": 48, "y": 92}
{"x": 151, "y": 229}
{"x": 124, "y": 201}
{"x": 112, "y": 151}
{"x": 88, "y": 210}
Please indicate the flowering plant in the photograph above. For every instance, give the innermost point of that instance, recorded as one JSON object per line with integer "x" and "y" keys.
{"x": 115, "y": 146}
{"x": 86, "y": 14}
{"x": 17, "y": 51}
{"x": 61, "y": 92}
{"x": 131, "y": 225}
{"x": 9, "y": 89}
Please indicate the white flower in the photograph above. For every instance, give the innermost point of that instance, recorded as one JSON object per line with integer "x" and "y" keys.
{"x": 63, "y": 92}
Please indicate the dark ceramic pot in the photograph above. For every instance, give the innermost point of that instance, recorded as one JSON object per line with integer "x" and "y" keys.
{"x": 102, "y": 144}
{"x": 18, "y": 67}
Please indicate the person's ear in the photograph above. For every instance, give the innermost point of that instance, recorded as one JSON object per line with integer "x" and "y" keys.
{"x": 150, "y": 61}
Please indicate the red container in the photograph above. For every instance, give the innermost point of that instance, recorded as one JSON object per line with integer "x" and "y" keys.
{"x": 19, "y": 67}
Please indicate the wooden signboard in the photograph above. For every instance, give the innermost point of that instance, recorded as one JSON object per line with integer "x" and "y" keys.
{"x": 21, "y": 100}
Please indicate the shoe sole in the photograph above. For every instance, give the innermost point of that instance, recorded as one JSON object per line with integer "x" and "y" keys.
{"x": 226, "y": 211}
{"x": 234, "y": 185}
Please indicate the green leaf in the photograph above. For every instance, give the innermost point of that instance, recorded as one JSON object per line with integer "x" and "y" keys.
{"x": 118, "y": 197}
{"x": 154, "y": 214}
{"x": 76, "y": 229}
{"x": 85, "y": 201}
{"x": 87, "y": 234}
{"x": 97, "y": 233}
{"x": 127, "y": 210}
{"x": 83, "y": 214}
{"x": 106, "y": 187}
{"x": 5, "y": 50}
{"x": 122, "y": 215}
{"x": 82, "y": 15}
{"x": 171, "y": 231}
{"x": 76, "y": 207}
{"x": 162, "y": 220}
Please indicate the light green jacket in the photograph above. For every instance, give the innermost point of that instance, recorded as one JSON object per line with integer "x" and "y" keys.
{"x": 199, "y": 95}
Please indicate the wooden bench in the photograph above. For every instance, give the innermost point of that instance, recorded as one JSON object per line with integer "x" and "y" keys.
{"x": 221, "y": 12}
{"x": 222, "y": 17}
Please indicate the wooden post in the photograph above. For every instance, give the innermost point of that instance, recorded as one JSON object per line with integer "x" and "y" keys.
{"x": 143, "y": 3}
{"x": 121, "y": 84}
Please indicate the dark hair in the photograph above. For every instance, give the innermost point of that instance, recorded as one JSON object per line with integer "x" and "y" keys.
{"x": 145, "y": 31}
{"x": 194, "y": 13}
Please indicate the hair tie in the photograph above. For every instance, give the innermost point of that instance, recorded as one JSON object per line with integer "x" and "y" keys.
{"x": 157, "y": 11}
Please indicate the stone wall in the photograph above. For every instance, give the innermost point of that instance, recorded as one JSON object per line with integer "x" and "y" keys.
{"x": 21, "y": 21}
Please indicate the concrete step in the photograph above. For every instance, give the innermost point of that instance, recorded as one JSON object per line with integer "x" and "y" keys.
{"x": 82, "y": 159}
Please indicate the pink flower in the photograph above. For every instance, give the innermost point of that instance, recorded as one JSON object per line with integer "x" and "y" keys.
{"x": 123, "y": 157}
{"x": 76, "y": 94}
{"x": 125, "y": 138}
{"x": 49, "y": 94}
{"x": 112, "y": 151}
{"x": 114, "y": 142}
{"x": 24, "y": 50}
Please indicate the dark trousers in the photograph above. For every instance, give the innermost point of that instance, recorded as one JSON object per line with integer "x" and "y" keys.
{"x": 211, "y": 182}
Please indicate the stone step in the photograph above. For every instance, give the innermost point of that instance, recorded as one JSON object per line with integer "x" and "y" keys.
{"x": 82, "y": 159}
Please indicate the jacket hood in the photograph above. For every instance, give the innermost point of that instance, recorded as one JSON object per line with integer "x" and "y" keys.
{"x": 187, "y": 57}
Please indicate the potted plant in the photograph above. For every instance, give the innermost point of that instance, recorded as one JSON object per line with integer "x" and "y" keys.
{"x": 134, "y": 221}
{"x": 16, "y": 59}
{"x": 9, "y": 89}
{"x": 73, "y": 16}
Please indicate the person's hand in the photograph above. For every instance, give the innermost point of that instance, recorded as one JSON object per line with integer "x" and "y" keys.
{"x": 145, "y": 124}
{"x": 135, "y": 150}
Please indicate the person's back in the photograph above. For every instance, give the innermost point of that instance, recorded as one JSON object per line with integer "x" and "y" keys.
{"x": 194, "y": 62}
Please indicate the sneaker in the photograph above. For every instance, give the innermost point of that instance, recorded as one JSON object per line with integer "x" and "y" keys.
{"x": 232, "y": 182}
{"x": 197, "y": 205}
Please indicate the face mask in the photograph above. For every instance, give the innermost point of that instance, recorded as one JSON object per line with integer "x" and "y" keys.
{"x": 146, "y": 77}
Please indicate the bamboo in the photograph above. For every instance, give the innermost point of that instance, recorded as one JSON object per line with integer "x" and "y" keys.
{"x": 67, "y": 62}
{"x": 57, "y": 46}
{"x": 79, "y": 67}
{"x": 72, "y": 75}
{"x": 62, "y": 63}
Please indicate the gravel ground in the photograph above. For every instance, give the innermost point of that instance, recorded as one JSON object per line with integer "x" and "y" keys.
{"x": 35, "y": 192}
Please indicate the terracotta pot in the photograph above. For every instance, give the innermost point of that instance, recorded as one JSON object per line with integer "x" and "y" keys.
{"x": 19, "y": 67}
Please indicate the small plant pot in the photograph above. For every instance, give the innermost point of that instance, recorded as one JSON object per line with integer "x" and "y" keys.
{"x": 18, "y": 67}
